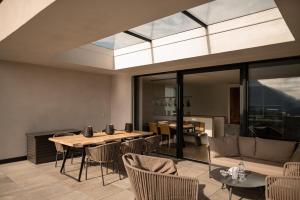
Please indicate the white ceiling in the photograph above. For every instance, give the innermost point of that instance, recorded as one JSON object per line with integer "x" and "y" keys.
{"x": 47, "y": 38}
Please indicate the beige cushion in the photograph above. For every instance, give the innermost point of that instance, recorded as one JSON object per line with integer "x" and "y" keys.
{"x": 247, "y": 146}
{"x": 263, "y": 166}
{"x": 152, "y": 164}
{"x": 251, "y": 164}
{"x": 226, "y": 161}
{"x": 224, "y": 146}
{"x": 296, "y": 155}
{"x": 274, "y": 150}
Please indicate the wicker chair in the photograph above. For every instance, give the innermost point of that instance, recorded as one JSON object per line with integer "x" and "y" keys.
{"x": 136, "y": 146}
{"x": 286, "y": 187}
{"x": 153, "y": 127}
{"x": 291, "y": 169}
{"x": 103, "y": 154}
{"x": 152, "y": 143}
{"x": 148, "y": 184}
{"x": 61, "y": 149}
{"x": 165, "y": 130}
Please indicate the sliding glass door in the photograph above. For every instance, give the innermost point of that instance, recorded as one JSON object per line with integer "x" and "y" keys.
{"x": 157, "y": 103}
{"x": 211, "y": 107}
{"x": 187, "y": 107}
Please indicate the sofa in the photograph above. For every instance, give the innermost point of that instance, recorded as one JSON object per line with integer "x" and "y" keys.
{"x": 263, "y": 156}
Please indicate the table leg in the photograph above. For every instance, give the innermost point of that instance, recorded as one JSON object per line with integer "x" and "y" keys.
{"x": 230, "y": 192}
{"x": 82, "y": 163}
{"x": 223, "y": 186}
{"x": 64, "y": 161}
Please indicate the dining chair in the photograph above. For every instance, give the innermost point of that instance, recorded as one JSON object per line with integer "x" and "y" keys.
{"x": 153, "y": 127}
{"x": 61, "y": 149}
{"x": 165, "y": 130}
{"x": 152, "y": 143}
{"x": 103, "y": 154}
{"x": 136, "y": 146}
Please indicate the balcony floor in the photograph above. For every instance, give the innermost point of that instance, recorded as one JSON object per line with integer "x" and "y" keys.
{"x": 24, "y": 180}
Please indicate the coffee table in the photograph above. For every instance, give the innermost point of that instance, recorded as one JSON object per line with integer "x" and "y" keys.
{"x": 253, "y": 180}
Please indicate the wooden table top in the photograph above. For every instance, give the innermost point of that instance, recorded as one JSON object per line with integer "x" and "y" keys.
{"x": 98, "y": 138}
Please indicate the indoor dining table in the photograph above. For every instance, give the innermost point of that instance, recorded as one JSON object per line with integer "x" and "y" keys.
{"x": 80, "y": 141}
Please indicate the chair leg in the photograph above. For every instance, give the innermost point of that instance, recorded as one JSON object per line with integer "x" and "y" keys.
{"x": 118, "y": 168}
{"x": 56, "y": 159}
{"x": 107, "y": 168}
{"x": 72, "y": 155}
{"x": 64, "y": 154}
{"x": 86, "y": 167}
{"x": 102, "y": 174}
{"x": 169, "y": 141}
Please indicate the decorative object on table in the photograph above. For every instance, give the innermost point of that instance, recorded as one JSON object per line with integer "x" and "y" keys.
{"x": 242, "y": 171}
{"x": 109, "y": 130}
{"x": 224, "y": 172}
{"x": 128, "y": 127}
{"x": 88, "y": 131}
{"x": 234, "y": 172}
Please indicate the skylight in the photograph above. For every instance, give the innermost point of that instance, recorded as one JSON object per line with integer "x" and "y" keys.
{"x": 166, "y": 26}
{"x": 118, "y": 41}
{"x": 214, "y": 27}
{"x": 222, "y": 10}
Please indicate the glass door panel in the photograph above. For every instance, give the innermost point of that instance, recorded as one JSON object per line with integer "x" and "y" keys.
{"x": 211, "y": 108}
{"x": 157, "y": 109}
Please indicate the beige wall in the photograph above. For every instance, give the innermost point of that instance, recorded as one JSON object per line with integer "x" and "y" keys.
{"x": 211, "y": 100}
{"x": 121, "y": 100}
{"x": 37, "y": 98}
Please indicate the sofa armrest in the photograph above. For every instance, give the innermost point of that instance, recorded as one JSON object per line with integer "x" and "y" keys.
{"x": 282, "y": 188}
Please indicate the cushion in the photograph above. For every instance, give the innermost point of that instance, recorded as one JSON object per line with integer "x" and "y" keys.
{"x": 247, "y": 146}
{"x": 224, "y": 146}
{"x": 296, "y": 155}
{"x": 152, "y": 164}
{"x": 274, "y": 150}
{"x": 263, "y": 166}
{"x": 226, "y": 161}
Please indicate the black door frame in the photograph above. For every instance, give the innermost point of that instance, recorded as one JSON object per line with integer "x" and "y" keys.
{"x": 243, "y": 67}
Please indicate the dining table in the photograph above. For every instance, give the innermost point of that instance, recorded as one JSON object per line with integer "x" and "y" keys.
{"x": 80, "y": 141}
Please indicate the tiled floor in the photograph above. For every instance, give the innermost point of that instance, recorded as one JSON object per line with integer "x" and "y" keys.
{"x": 24, "y": 180}
{"x": 190, "y": 151}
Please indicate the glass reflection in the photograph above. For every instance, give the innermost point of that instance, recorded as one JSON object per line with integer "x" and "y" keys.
{"x": 274, "y": 103}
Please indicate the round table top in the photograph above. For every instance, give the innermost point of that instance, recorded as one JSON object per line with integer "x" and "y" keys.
{"x": 252, "y": 180}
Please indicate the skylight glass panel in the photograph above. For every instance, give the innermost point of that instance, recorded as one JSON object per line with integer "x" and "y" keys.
{"x": 166, "y": 26}
{"x": 222, "y": 10}
{"x": 118, "y": 41}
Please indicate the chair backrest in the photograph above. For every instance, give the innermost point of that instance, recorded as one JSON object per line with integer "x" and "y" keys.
{"x": 153, "y": 127}
{"x": 291, "y": 169}
{"x": 152, "y": 143}
{"x": 164, "y": 129}
{"x": 148, "y": 185}
{"x": 200, "y": 126}
{"x": 105, "y": 152}
{"x": 59, "y": 147}
{"x": 282, "y": 188}
{"x": 133, "y": 146}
